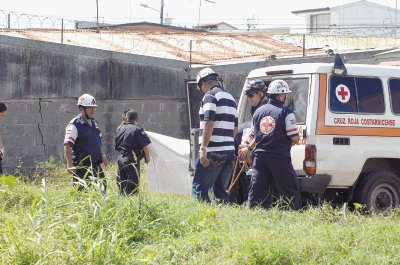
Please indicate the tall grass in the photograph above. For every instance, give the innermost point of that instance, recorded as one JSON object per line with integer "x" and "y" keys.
{"x": 56, "y": 224}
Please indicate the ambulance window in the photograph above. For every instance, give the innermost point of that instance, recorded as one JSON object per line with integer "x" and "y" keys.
{"x": 342, "y": 94}
{"x": 394, "y": 87}
{"x": 370, "y": 95}
{"x": 297, "y": 100}
{"x": 356, "y": 95}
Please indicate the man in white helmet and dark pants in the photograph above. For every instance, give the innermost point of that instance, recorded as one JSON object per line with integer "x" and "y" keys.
{"x": 82, "y": 145}
{"x": 275, "y": 132}
{"x": 218, "y": 124}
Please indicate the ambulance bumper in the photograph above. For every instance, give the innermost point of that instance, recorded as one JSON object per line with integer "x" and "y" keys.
{"x": 314, "y": 183}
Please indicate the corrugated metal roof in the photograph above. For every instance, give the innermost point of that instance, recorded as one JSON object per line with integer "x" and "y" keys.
{"x": 196, "y": 47}
{"x": 199, "y": 47}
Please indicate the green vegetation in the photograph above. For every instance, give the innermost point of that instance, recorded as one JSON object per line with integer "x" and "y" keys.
{"x": 57, "y": 225}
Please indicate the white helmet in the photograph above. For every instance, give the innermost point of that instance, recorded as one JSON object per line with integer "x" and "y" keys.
{"x": 278, "y": 87}
{"x": 87, "y": 100}
{"x": 205, "y": 73}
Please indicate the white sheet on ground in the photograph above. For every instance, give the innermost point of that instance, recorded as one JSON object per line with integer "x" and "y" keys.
{"x": 168, "y": 170}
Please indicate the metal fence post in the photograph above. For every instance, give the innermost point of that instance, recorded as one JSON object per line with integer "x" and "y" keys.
{"x": 190, "y": 54}
{"x": 62, "y": 31}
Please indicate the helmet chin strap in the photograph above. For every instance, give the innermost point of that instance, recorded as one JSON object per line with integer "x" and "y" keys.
{"x": 86, "y": 116}
{"x": 284, "y": 98}
{"x": 201, "y": 90}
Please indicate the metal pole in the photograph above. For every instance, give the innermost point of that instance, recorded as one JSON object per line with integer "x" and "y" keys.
{"x": 304, "y": 45}
{"x": 395, "y": 21}
{"x": 62, "y": 31}
{"x": 97, "y": 15}
{"x": 9, "y": 21}
{"x": 162, "y": 13}
{"x": 198, "y": 23}
{"x": 190, "y": 54}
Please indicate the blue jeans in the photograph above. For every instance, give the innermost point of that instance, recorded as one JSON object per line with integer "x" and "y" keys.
{"x": 217, "y": 176}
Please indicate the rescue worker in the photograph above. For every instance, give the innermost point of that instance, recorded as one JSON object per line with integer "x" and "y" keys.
{"x": 218, "y": 124}
{"x": 123, "y": 121}
{"x": 132, "y": 143}
{"x": 256, "y": 92}
{"x": 82, "y": 145}
{"x": 275, "y": 132}
{"x": 3, "y": 110}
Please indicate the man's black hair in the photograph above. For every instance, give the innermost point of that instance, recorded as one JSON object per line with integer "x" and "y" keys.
{"x": 132, "y": 116}
{"x": 3, "y": 107}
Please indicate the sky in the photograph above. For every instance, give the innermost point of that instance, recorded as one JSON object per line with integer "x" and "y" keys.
{"x": 242, "y": 14}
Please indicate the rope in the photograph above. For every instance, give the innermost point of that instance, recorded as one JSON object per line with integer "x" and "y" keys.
{"x": 234, "y": 176}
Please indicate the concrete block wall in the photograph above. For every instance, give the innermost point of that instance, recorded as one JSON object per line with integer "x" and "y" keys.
{"x": 33, "y": 129}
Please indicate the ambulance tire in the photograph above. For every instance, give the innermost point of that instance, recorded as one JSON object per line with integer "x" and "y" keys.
{"x": 378, "y": 191}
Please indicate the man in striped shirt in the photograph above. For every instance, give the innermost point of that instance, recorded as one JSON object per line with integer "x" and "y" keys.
{"x": 218, "y": 124}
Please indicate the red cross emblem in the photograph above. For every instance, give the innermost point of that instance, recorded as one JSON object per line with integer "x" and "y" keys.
{"x": 267, "y": 125}
{"x": 342, "y": 93}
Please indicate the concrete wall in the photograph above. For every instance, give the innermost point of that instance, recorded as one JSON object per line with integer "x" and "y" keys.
{"x": 40, "y": 83}
{"x": 33, "y": 129}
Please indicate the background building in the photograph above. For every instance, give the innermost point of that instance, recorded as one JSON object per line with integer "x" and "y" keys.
{"x": 361, "y": 18}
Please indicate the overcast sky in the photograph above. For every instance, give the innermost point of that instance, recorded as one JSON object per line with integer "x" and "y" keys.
{"x": 261, "y": 13}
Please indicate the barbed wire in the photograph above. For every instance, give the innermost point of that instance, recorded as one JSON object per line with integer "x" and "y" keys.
{"x": 199, "y": 47}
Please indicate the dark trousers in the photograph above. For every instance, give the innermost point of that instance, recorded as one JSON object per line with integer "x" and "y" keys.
{"x": 87, "y": 173}
{"x": 128, "y": 175}
{"x": 273, "y": 174}
{"x": 240, "y": 191}
{"x": 1, "y": 167}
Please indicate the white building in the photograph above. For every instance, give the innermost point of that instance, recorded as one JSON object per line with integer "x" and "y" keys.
{"x": 357, "y": 18}
{"x": 222, "y": 26}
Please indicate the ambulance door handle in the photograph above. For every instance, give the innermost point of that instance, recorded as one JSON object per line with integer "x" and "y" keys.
{"x": 341, "y": 140}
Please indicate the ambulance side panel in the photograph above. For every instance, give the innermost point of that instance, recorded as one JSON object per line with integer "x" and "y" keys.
{"x": 346, "y": 140}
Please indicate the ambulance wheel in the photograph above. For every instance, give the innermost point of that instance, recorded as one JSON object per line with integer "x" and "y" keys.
{"x": 378, "y": 191}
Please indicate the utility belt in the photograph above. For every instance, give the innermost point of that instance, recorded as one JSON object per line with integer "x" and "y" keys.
{"x": 87, "y": 163}
{"x": 129, "y": 154}
{"x": 125, "y": 153}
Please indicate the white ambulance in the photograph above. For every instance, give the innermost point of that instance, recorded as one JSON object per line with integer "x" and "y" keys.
{"x": 348, "y": 119}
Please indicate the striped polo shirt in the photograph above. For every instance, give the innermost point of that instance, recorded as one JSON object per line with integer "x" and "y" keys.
{"x": 219, "y": 106}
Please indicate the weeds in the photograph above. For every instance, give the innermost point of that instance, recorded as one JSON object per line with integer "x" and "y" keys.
{"x": 60, "y": 225}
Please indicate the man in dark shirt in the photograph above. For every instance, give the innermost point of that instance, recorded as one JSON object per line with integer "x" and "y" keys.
{"x": 256, "y": 91}
{"x": 132, "y": 144}
{"x": 83, "y": 146}
{"x": 275, "y": 132}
